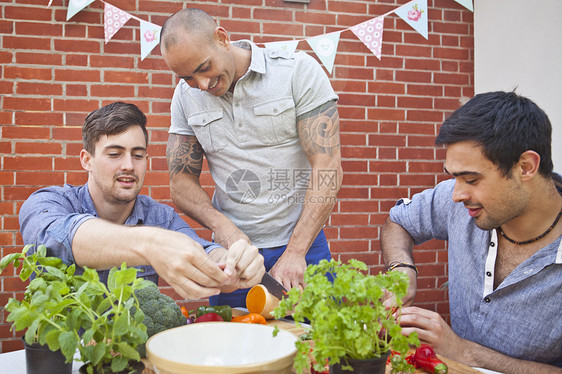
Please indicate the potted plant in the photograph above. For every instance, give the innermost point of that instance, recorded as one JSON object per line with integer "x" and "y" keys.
{"x": 349, "y": 322}
{"x": 70, "y": 312}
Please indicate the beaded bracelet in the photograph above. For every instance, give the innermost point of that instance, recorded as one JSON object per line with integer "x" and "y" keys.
{"x": 394, "y": 265}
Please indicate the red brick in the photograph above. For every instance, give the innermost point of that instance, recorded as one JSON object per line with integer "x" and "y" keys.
{"x": 70, "y": 75}
{"x": 84, "y": 46}
{"x": 353, "y": 192}
{"x": 38, "y": 28}
{"x": 35, "y": 88}
{"x": 11, "y": 72}
{"x": 30, "y": 43}
{"x": 38, "y": 58}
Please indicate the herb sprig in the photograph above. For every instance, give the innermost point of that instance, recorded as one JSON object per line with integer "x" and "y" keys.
{"x": 347, "y": 316}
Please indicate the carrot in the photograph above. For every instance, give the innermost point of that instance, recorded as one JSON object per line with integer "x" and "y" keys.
{"x": 250, "y": 318}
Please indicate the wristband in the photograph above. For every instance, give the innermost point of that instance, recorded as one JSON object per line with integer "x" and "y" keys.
{"x": 394, "y": 265}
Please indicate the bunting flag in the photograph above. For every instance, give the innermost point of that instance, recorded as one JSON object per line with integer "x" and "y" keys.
{"x": 325, "y": 46}
{"x": 370, "y": 33}
{"x": 415, "y": 15}
{"x": 150, "y": 37}
{"x": 114, "y": 19}
{"x": 74, "y": 6}
{"x": 467, "y": 4}
{"x": 289, "y": 45}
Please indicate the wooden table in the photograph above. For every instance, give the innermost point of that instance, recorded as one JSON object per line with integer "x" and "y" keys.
{"x": 454, "y": 367}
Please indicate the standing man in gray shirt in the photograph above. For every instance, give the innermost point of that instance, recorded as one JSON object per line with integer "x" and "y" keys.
{"x": 501, "y": 217}
{"x": 268, "y": 125}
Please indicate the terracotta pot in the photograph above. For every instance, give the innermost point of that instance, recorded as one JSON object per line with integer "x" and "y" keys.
{"x": 370, "y": 366}
{"x": 39, "y": 359}
{"x": 137, "y": 368}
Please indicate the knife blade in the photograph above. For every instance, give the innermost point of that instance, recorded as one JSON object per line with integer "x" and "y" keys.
{"x": 273, "y": 286}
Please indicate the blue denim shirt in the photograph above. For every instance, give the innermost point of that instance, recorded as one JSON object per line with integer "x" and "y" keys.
{"x": 51, "y": 216}
{"x": 522, "y": 317}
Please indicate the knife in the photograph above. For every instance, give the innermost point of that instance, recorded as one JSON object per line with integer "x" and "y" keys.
{"x": 273, "y": 286}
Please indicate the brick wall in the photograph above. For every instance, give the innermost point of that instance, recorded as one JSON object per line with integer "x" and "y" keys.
{"x": 54, "y": 72}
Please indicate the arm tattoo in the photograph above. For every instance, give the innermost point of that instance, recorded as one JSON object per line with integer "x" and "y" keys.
{"x": 319, "y": 129}
{"x": 184, "y": 155}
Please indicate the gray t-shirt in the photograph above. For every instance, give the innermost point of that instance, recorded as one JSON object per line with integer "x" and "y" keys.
{"x": 522, "y": 317}
{"x": 251, "y": 140}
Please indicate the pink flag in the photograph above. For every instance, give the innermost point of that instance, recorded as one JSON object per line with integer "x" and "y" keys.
{"x": 115, "y": 18}
{"x": 370, "y": 33}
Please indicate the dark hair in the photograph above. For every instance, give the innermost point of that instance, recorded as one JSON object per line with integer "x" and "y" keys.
{"x": 505, "y": 125}
{"x": 112, "y": 119}
{"x": 191, "y": 20}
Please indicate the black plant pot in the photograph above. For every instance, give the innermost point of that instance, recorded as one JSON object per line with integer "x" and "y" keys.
{"x": 137, "y": 368}
{"x": 370, "y": 366}
{"x": 39, "y": 359}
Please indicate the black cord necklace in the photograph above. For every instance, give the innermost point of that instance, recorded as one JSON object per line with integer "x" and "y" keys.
{"x": 534, "y": 239}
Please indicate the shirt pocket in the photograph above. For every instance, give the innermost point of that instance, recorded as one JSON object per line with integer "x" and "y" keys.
{"x": 276, "y": 121}
{"x": 208, "y": 129}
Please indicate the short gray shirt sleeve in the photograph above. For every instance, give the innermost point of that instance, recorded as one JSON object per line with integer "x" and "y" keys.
{"x": 179, "y": 113}
{"x": 426, "y": 216}
{"x": 311, "y": 86}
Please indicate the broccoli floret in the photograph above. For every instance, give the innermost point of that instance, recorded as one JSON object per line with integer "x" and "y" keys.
{"x": 160, "y": 312}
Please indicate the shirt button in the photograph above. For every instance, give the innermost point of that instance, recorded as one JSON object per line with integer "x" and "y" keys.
{"x": 487, "y": 299}
{"x": 489, "y": 273}
{"x": 492, "y": 244}
{"x": 239, "y": 125}
{"x": 236, "y": 105}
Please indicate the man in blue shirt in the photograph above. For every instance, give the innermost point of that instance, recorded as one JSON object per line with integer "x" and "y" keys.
{"x": 501, "y": 217}
{"x": 106, "y": 222}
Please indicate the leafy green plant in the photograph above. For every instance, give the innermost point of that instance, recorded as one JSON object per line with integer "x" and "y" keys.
{"x": 67, "y": 311}
{"x": 347, "y": 317}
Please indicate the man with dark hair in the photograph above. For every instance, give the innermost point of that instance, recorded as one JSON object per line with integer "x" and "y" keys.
{"x": 106, "y": 222}
{"x": 500, "y": 214}
{"x": 267, "y": 122}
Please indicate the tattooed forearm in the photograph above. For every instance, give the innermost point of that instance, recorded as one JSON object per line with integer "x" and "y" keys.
{"x": 319, "y": 129}
{"x": 184, "y": 155}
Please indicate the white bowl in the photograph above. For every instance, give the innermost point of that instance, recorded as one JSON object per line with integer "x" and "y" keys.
{"x": 222, "y": 347}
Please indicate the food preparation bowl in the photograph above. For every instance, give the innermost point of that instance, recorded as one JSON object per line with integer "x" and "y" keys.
{"x": 222, "y": 347}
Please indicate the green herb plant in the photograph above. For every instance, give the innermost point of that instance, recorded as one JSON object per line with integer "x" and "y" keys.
{"x": 347, "y": 316}
{"x": 73, "y": 312}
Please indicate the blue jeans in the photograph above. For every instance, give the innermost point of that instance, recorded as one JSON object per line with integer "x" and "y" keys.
{"x": 318, "y": 250}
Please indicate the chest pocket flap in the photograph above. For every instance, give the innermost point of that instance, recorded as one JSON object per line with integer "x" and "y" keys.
{"x": 204, "y": 118}
{"x": 274, "y": 108}
{"x": 208, "y": 129}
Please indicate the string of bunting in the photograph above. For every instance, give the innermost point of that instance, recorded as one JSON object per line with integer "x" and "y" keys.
{"x": 325, "y": 46}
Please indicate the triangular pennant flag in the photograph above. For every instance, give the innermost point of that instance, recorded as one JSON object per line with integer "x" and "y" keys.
{"x": 415, "y": 15}
{"x": 467, "y": 4}
{"x": 370, "y": 33}
{"x": 150, "y": 37}
{"x": 74, "y": 6}
{"x": 325, "y": 46}
{"x": 289, "y": 45}
{"x": 114, "y": 19}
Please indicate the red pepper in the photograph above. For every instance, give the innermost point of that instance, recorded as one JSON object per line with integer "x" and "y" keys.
{"x": 426, "y": 359}
{"x": 209, "y": 317}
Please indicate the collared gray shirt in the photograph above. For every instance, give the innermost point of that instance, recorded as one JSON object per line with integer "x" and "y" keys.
{"x": 251, "y": 140}
{"x": 51, "y": 216}
{"x": 522, "y": 317}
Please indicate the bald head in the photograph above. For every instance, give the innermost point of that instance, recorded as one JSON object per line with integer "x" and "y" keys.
{"x": 187, "y": 21}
